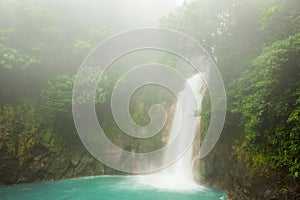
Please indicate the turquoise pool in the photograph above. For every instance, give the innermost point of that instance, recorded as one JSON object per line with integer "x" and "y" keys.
{"x": 103, "y": 188}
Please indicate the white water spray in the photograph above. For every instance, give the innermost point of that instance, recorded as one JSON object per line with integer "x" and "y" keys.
{"x": 179, "y": 175}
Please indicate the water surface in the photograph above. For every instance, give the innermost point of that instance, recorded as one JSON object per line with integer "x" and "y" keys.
{"x": 103, "y": 188}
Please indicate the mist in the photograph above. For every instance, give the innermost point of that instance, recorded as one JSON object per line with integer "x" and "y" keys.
{"x": 88, "y": 91}
{"x": 116, "y": 13}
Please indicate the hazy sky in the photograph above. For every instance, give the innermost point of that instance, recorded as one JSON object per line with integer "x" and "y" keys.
{"x": 123, "y": 13}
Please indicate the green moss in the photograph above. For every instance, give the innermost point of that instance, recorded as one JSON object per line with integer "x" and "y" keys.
{"x": 21, "y": 129}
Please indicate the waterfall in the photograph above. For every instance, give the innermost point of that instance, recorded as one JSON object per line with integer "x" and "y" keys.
{"x": 179, "y": 175}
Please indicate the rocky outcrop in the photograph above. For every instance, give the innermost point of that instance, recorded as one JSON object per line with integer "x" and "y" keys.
{"x": 41, "y": 165}
{"x": 231, "y": 175}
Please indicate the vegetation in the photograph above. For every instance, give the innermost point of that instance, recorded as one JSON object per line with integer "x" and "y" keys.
{"x": 257, "y": 48}
{"x": 256, "y": 45}
{"x": 39, "y": 59}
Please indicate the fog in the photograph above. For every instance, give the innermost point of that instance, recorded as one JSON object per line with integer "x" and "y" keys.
{"x": 57, "y": 55}
{"x": 117, "y": 13}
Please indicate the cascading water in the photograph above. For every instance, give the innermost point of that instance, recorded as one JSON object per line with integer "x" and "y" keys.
{"x": 179, "y": 175}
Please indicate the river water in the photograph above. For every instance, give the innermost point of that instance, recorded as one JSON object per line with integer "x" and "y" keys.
{"x": 103, "y": 188}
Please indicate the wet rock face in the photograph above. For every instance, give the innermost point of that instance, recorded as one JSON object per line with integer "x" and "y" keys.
{"x": 223, "y": 170}
{"x": 233, "y": 177}
{"x": 43, "y": 166}
{"x": 207, "y": 166}
{"x": 9, "y": 172}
